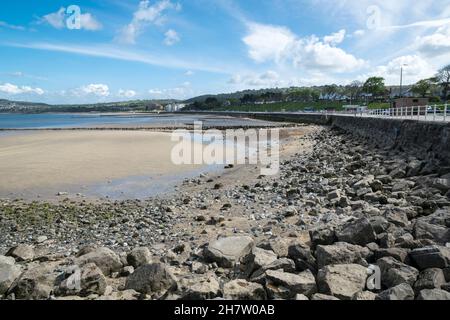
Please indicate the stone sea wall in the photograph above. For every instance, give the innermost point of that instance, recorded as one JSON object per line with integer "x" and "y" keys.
{"x": 427, "y": 140}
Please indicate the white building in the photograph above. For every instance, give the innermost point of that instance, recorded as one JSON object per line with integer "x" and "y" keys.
{"x": 174, "y": 107}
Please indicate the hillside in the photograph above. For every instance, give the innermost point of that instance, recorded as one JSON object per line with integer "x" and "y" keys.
{"x": 8, "y": 106}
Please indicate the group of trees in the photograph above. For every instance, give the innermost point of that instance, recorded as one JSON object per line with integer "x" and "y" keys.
{"x": 372, "y": 90}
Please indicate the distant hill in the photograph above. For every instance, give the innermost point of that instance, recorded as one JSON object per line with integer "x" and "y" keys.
{"x": 8, "y": 106}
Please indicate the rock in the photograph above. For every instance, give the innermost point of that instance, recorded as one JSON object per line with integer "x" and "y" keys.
{"x": 396, "y": 253}
{"x": 21, "y": 253}
{"x": 126, "y": 271}
{"x": 243, "y": 290}
{"x": 434, "y": 227}
{"x": 342, "y": 281}
{"x": 442, "y": 185}
{"x": 358, "y": 232}
{"x": 41, "y": 239}
{"x": 301, "y": 297}
{"x": 202, "y": 289}
{"x": 258, "y": 259}
{"x": 278, "y": 245}
{"x": 397, "y": 217}
{"x": 7, "y": 260}
{"x": 400, "y": 292}
{"x": 431, "y": 257}
{"x": 84, "y": 282}
{"x": 394, "y": 272}
{"x": 334, "y": 195}
{"x": 37, "y": 283}
{"x": 287, "y": 265}
{"x": 9, "y": 272}
{"x": 365, "y": 296}
{"x": 287, "y": 285}
{"x": 322, "y": 237}
{"x": 139, "y": 257}
{"x": 103, "y": 258}
{"x": 430, "y": 279}
{"x": 433, "y": 294}
{"x": 198, "y": 267}
{"x": 151, "y": 278}
{"x": 227, "y": 251}
{"x": 302, "y": 256}
{"x": 379, "y": 224}
{"x": 323, "y": 297}
{"x": 127, "y": 295}
{"x": 340, "y": 253}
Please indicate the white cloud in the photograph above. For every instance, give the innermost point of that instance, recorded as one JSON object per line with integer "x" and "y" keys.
{"x": 4, "y": 24}
{"x": 100, "y": 90}
{"x": 89, "y": 22}
{"x": 58, "y": 20}
{"x": 335, "y": 38}
{"x": 266, "y": 42}
{"x": 189, "y": 73}
{"x": 435, "y": 44}
{"x": 171, "y": 38}
{"x": 267, "y": 79}
{"x": 113, "y": 52}
{"x": 127, "y": 93}
{"x": 13, "y": 89}
{"x": 145, "y": 15}
{"x": 277, "y": 44}
{"x": 415, "y": 68}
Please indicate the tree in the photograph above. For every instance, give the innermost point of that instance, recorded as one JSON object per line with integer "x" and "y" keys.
{"x": 375, "y": 86}
{"x": 354, "y": 90}
{"x": 422, "y": 88}
{"x": 443, "y": 78}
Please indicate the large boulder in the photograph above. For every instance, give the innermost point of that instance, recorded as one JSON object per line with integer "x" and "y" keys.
{"x": 200, "y": 288}
{"x": 8, "y": 274}
{"x": 139, "y": 257}
{"x": 302, "y": 256}
{"x": 341, "y": 253}
{"x": 22, "y": 252}
{"x": 342, "y": 281}
{"x": 103, "y": 258}
{"x": 434, "y": 295}
{"x": 358, "y": 232}
{"x": 228, "y": 251}
{"x": 258, "y": 259}
{"x": 84, "y": 281}
{"x": 394, "y": 272}
{"x": 152, "y": 278}
{"x": 243, "y": 290}
{"x": 284, "y": 264}
{"x": 430, "y": 279}
{"x": 400, "y": 292}
{"x": 37, "y": 283}
{"x": 431, "y": 257}
{"x": 287, "y": 285}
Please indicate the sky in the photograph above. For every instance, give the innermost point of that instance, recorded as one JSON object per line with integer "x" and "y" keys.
{"x": 86, "y": 51}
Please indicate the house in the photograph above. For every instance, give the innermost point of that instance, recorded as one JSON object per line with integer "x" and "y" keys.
{"x": 410, "y": 102}
{"x": 355, "y": 108}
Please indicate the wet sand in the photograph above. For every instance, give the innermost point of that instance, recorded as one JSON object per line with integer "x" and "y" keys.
{"x": 42, "y": 163}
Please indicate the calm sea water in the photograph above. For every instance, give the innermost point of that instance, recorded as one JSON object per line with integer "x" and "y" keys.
{"x": 43, "y": 121}
{"x": 50, "y": 120}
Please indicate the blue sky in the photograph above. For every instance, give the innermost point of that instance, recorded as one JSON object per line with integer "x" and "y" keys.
{"x": 132, "y": 49}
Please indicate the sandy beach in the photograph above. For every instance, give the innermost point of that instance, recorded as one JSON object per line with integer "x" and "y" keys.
{"x": 33, "y": 162}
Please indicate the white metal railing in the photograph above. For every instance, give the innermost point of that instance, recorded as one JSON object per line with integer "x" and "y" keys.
{"x": 423, "y": 113}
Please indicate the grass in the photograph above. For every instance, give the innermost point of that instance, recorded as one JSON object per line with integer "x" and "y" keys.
{"x": 286, "y": 106}
{"x": 379, "y": 105}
